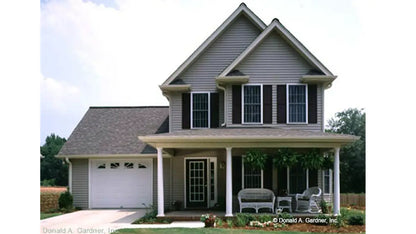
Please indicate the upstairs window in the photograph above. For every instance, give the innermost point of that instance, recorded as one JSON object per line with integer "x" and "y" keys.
{"x": 252, "y": 104}
{"x": 297, "y": 103}
{"x": 200, "y": 110}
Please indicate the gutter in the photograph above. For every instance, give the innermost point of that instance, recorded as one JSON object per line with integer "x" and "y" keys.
{"x": 69, "y": 174}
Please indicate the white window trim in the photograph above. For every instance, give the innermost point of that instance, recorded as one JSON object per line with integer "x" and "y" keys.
{"x": 330, "y": 182}
{"x": 192, "y": 109}
{"x": 242, "y": 103}
{"x": 287, "y": 103}
{"x": 242, "y": 174}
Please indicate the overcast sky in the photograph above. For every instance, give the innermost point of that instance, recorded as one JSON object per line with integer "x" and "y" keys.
{"x": 117, "y": 52}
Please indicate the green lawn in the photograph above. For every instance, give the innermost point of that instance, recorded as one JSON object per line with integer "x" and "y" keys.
{"x": 197, "y": 230}
{"x": 48, "y": 215}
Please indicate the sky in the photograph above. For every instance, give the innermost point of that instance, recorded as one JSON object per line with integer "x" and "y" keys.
{"x": 117, "y": 52}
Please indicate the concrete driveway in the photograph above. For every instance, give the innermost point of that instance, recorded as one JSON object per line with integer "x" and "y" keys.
{"x": 91, "y": 221}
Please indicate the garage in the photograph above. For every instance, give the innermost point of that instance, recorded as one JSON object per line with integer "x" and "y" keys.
{"x": 121, "y": 183}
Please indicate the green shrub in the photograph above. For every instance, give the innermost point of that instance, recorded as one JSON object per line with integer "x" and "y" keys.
{"x": 149, "y": 217}
{"x": 48, "y": 183}
{"x": 218, "y": 221}
{"x": 243, "y": 219}
{"x": 326, "y": 209}
{"x": 322, "y": 216}
{"x": 230, "y": 223}
{"x": 264, "y": 218}
{"x": 65, "y": 200}
{"x": 285, "y": 215}
{"x": 355, "y": 219}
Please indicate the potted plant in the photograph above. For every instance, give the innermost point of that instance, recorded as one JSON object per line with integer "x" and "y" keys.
{"x": 177, "y": 205}
{"x": 208, "y": 219}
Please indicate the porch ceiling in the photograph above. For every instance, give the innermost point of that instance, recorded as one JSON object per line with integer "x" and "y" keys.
{"x": 247, "y": 138}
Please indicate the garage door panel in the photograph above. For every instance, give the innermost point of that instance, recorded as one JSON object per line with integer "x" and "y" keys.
{"x": 125, "y": 185}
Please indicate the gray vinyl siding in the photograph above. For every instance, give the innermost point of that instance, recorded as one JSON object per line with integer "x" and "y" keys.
{"x": 80, "y": 182}
{"x": 275, "y": 62}
{"x": 202, "y": 73}
{"x": 175, "y": 121}
{"x": 166, "y": 182}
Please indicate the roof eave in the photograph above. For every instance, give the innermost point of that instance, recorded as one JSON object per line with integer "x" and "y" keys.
{"x": 326, "y": 81}
{"x": 232, "y": 79}
{"x": 175, "y": 88}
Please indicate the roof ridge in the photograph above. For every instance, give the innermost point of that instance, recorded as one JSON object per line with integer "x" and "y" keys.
{"x": 120, "y": 107}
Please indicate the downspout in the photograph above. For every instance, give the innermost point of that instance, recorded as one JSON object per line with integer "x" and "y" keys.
{"x": 225, "y": 106}
{"x": 69, "y": 174}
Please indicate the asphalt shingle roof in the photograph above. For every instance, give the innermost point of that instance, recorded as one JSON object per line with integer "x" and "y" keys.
{"x": 114, "y": 130}
{"x": 253, "y": 132}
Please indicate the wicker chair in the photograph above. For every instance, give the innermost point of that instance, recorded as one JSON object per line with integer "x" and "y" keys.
{"x": 309, "y": 199}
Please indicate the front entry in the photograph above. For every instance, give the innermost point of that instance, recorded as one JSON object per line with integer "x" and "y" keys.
{"x": 196, "y": 183}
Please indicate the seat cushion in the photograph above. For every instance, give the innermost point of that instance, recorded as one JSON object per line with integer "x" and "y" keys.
{"x": 255, "y": 200}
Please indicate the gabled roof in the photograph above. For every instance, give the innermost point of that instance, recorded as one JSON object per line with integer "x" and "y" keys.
{"x": 275, "y": 25}
{"x": 114, "y": 131}
{"x": 242, "y": 9}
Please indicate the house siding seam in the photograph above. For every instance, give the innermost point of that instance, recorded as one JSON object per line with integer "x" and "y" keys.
{"x": 275, "y": 62}
{"x": 201, "y": 74}
{"x": 80, "y": 168}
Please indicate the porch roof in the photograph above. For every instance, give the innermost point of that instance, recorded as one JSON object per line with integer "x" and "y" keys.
{"x": 248, "y": 137}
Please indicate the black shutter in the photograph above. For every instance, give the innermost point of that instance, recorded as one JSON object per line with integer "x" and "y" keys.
{"x": 312, "y": 104}
{"x": 186, "y": 110}
{"x": 268, "y": 174}
{"x": 215, "y": 108}
{"x": 281, "y": 104}
{"x": 267, "y": 104}
{"x": 236, "y": 173}
{"x": 236, "y": 104}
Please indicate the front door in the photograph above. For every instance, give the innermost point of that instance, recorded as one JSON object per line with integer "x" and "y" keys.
{"x": 196, "y": 183}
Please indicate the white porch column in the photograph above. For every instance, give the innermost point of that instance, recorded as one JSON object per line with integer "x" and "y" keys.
{"x": 160, "y": 195}
{"x": 229, "y": 186}
{"x": 337, "y": 198}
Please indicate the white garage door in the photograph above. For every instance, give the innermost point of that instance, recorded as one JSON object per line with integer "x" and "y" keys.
{"x": 121, "y": 183}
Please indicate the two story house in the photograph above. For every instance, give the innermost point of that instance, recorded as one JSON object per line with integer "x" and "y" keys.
{"x": 248, "y": 86}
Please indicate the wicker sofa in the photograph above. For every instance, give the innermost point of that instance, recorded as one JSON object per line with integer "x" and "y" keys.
{"x": 256, "y": 199}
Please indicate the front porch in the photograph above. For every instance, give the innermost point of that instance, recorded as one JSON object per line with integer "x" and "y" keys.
{"x": 230, "y": 145}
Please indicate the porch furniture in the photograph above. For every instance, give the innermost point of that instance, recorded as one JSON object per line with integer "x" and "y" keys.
{"x": 256, "y": 199}
{"x": 309, "y": 199}
{"x": 284, "y": 200}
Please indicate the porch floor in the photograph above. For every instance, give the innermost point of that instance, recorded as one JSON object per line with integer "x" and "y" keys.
{"x": 193, "y": 215}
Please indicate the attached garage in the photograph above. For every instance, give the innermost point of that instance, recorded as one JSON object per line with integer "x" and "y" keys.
{"x": 121, "y": 183}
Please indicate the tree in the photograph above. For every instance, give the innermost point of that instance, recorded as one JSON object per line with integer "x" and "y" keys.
{"x": 352, "y": 156}
{"x": 52, "y": 168}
